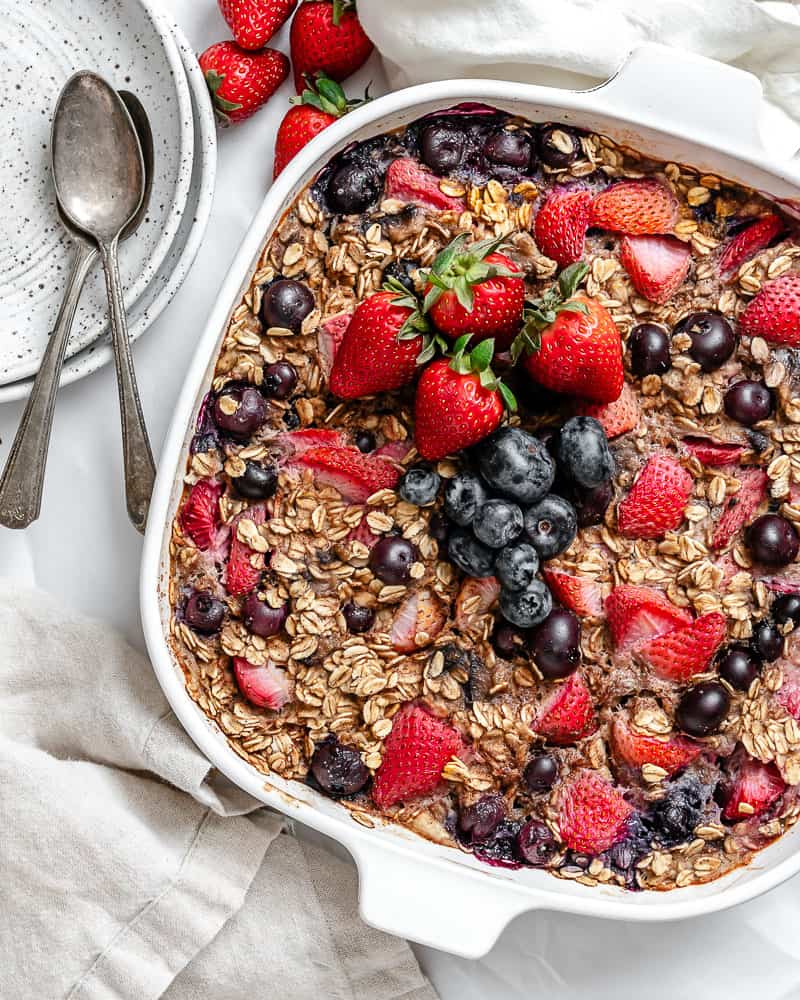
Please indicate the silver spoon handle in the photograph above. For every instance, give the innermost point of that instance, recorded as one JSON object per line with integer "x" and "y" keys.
{"x": 140, "y": 469}
{"x": 23, "y": 477}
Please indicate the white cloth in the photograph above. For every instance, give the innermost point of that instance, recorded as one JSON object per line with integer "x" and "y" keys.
{"x": 129, "y": 869}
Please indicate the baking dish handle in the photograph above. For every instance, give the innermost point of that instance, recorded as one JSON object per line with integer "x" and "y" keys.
{"x": 689, "y": 95}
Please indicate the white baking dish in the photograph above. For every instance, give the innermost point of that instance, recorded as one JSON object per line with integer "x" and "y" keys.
{"x": 674, "y": 106}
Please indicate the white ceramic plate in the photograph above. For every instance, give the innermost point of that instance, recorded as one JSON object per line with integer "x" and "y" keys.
{"x": 41, "y": 45}
{"x": 186, "y": 243}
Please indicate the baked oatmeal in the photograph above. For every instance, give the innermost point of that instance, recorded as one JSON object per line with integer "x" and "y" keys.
{"x": 490, "y": 518}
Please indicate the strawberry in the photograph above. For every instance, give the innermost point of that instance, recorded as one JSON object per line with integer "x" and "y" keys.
{"x": 241, "y": 82}
{"x": 618, "y": 417}
{"x": 755, "y": 787}
{"x": 407, "y": 181}
{"x": 571, "y": 342}
{"x": 329, "y": 339}
{"x": 740, "y": 507}
{"x": 414, "y": 755}
{"x": 638, "y": 207}
{"x": 459, "y": 401}
{"x": 593, "y": 813}
{"x": 568, "y": 714}
{"x": 636, "y": 614}
{"x": 636, "y": 749}
{"x": 419, "y": 619}
{"x": 774, "y": 313}
{"x": 254, "y": 22}
{"x": 657, "y": 500}
{"x": 381, "y": 346}
{"x": 657, "y": 265}
{"x": 747, "y": 243}
{"x": 476, "y": 290}
{"x": 561, "y": 223}
{"x": 301, "y": 441}
{"x": 266, "y": 686}
{"x": 245, "y": 566}
{"x": 475, "y": 597}
{"x": 200, "y": 513}
{"x": 686, "y": 651}
{"x": 327, "y": 36}
{"x": 363, "y": 534}
{"x": 713, "y": 453}
{"x": 578, "y": 593}
{"x": 788, "y": 694}
{"x": 354, "y": 475}
{"x": 393, "y": 451}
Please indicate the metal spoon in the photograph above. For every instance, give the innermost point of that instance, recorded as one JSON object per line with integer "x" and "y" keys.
{"x": 22, "y": 482}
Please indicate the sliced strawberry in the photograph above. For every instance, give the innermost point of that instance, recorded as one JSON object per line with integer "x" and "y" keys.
{"x": 568, "y": 714}
{"x": 354, "y": 475}
{"x": 266, "y": 686}
{"x": 593, "y": 813}
{"x": 329, "y": 338}
{"x": 363, "y": 533}
{"x": 684, "y": 652}
{"x": 747, "y": 243}
{"x": 713, "y": 453}
{"x": 618, "y": 417}
{"x": 578, "y": 593}
{"x": 788, "y": 694}
{"x": 393, "y": 451}
{"x": 419, "y": 619}
{"x": 657, "y": 500}
{"x": 774, "y": 313}
{"x": 637, "y": 614}
{"x": 475, "y": 598}
{"x": 407, "y": 181}
{"x": 740, "y": 507}
{"x": 414, "y": 756}
{"x": 561, "y": 223}
{"x": 636, "y": 749}
{"x": 755, "y": 788}
{"x": 636, "y": 207}
{"x": 657, "y": 265}
{"x": 782, "y": 584}
{"x": 200, "y": 513}
{"x": 245, "y": 566}
{"x": 299, "y": 442}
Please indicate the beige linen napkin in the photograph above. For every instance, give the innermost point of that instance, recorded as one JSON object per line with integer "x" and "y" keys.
{"x": 130, "y": 870}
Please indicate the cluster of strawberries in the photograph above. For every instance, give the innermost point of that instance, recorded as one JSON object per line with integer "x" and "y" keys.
{"x": 327, "y": 44}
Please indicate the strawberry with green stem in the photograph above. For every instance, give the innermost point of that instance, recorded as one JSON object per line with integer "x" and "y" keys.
{"x": 327, "y": 36}
{"x": 241, "y": 82}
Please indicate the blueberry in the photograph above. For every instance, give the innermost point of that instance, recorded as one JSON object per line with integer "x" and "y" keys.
{"x": 551, "y": 525}
{"x": 338, "y": 769}
{"x": 442, "y": 146}
{"x": 480, "y": 820}
{"x": 240, "y": 411}
{"x": 712, "y": 336}
{"x": 583, "y": 454}
{"x": 401, "y": 271}
{"x": 497, "y": 522}
{"x": 280, "y": 380}
{"x": 291, "y": 419}
{"x": 748, "y": 401}
{"x": 203, "y": 613}
{"x": 526, "y": 608}
{"x": 439, "y": 527}
{"x": 357, "y": 617}
{"x": 469, "y": 555}
{"x": 286, "y": 303}
{"x": 508, "y": 641}
{"x": 509, "y": 148}
{"x": 420, "y": 486}
{"x": 673, "y": 819}
{"x": 739, "y": 667}
{"x": 592, "y": 503}
{"x": 463, "y": 495}
{"x": 767, "y": 640}
{"x": 352, "y": 189}
{"x": 261, "y": 619}
{"x": 702, "y": 709}
{"x": 365, "y": 441}
{"x": 516, "y": 566}
{"x": 772, "y": 540}
{"x": 516, "y": 464}
{"x": 555, "y": 645}
{"x": 649, "y": 349}
{"x": 257, "y": 482}
{"x": 536, "y": 843}
{"x": 391, "y": 559}
{"x": 558, "y": 146}
{"x": 786, "y": 608}
{"x": 540, "y": 773}
{"x": 500, "y": 849}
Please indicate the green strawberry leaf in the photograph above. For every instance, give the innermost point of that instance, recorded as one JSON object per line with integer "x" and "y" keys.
{"x": 339, "y": 7}
{"x": 428, "y": 352}
{"x": 445, "y": 257}
{"x": 461, "y": 344}
{"x": 481, "y": 356}
{"x": 508, "y": 397}
{"x": 463, "y": 290}
{"x": 570, "y": 278}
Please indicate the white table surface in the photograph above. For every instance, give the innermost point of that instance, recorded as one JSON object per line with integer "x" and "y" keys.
{"x": 83, "y": 550}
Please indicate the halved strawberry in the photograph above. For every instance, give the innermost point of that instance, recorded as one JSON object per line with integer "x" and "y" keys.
{"x": 407, "y": 181}
{"x": 740, "y": 507}
{"x": 636, "y": 614}
{"x": 354, "y": 475}
{"x": 657, "y": 500}
{"x": 245, "y": 566}
{"x": 593, "y": 813}
{"x": 329, "y": 338}
{"x": 301, "y": 441}
{"x": 636, "y": 207}
{"x": 755, "y": 787}
{"x": 568, "y": 714}
{"x": 618, "y": 417}
{"x": 561, "y": 223}
{"x": 774, "y": 313}
{"x": 578, "y": 593}
{"x": 419, "y": 619}
{"x": 657, "y": 265}
{"x": 684, "y": 652}
{"x": 747, "y": 243}
{"x": 713, "y": 453}
{"x": 788, "y": 694}
{"x": 414, "y": 756}
{"x": 635, "y": 749}
{"x": 266, "y": 686}
{"x": 475, "y": 597}
{"x": 200, "y": 513}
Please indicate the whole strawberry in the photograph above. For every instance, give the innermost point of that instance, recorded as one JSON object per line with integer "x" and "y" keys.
{"x": 774, "y": 313}
{"x": 327, "y": 36}
{"x": 254, "y": 22}
{"x": 477, "y": 291}
{"x": 571, "y": 343}
{"x": 241, "y": 82}
{"x": 459, "y": 401}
